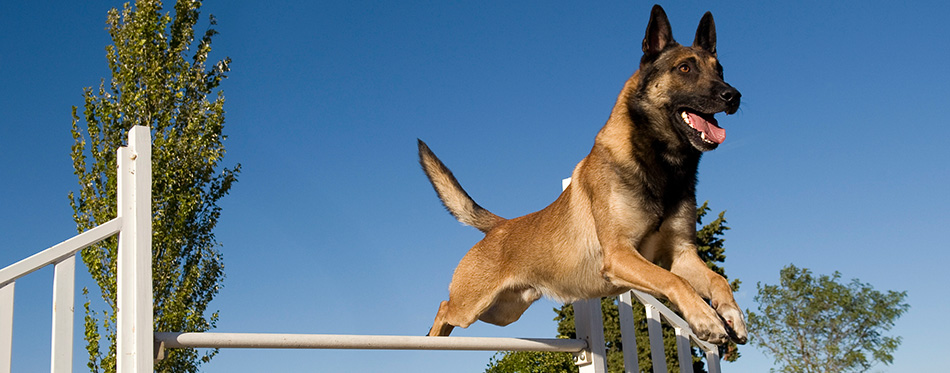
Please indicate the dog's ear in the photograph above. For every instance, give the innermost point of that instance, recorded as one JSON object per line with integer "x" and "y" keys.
{"x": 659, "y": 34}
{"x": 706, "y": 34}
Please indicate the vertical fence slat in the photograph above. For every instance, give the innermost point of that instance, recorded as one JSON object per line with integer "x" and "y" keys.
{"x": 64, "y": 294}
{"x": 656, "y": 338}
{"x": 628, "y": 333}
{"x": 683, "y": 350}
{"x": 125, "y": 297}
{"x": 6, "y": 326}
{"x": 712, "y": 362}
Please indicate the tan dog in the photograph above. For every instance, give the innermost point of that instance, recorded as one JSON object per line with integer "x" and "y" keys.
{"x": 626, "y": 221}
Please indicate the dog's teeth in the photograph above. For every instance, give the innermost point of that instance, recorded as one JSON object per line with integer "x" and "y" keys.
{"x": 685, "y": 117}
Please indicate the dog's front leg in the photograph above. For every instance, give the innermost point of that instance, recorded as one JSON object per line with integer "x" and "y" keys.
{"x": 712, "y": 286}
{"x": 620, "y": 227}
{"x": 680, "y": 234}
{"x": 625, "y": 267}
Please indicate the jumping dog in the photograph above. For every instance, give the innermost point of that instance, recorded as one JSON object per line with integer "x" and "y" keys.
{"x": 627, "y": 219}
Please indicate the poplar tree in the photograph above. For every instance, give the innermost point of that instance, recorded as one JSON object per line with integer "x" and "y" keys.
{"x": 709, "y": 245}
{"x": 160, "y": 79}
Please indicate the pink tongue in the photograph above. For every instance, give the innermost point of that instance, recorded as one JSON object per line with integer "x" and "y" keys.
{"x": 712, "y": 131}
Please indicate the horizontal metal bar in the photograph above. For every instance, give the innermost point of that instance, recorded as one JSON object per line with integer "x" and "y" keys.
{"x": 364, "y": 342}
{"x": 60, "y": 251}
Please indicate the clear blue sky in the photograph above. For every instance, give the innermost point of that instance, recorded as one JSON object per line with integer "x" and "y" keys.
{"x": 836, "y": 160}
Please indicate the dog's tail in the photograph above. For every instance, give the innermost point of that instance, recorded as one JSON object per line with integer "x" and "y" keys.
{"x": 455, "y": 199}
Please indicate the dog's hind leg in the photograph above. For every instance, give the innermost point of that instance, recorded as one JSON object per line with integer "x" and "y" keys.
{"x": 459, "y": 312}
{"x": 501, "y": 307}
{"x": 479, "y": 290}
{"x": 509, "y": 305}
{"x": 440, "y": 327}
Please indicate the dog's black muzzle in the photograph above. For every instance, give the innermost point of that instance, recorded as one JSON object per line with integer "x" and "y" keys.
{"x": 730, "y": 97}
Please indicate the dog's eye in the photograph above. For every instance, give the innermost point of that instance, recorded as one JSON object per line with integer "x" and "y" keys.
{"x": 684, "y": 68}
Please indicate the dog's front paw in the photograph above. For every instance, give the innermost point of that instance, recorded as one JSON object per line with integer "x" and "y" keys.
{"x": 734, "y": 320}
{"x": 707, "y": 325}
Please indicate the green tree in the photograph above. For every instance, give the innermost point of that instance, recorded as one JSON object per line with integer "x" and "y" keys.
{"x": 156, "y": 83}
{"x": 818, "y": 324}
{"x": 709, "y": 244}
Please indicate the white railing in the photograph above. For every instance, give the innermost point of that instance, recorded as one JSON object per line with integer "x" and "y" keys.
{"x": 656, "y": 312}
{"x": 136, "y": 337}
{"x": 63, "y": 259}
{"x": 133, "y": 224}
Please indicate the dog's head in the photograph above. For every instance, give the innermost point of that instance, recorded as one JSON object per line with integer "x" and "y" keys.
{"x": 685, "y": 83}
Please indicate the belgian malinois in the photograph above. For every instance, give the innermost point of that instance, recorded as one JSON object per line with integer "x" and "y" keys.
{"x": 627, "y": 219}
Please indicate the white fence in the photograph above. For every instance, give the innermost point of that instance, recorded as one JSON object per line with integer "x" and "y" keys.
{"x": 138, "y": 345}
{"x": 133, "y": 224}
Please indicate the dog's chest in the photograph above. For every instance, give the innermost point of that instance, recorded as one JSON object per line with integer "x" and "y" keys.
{"x": 658, "y": 188}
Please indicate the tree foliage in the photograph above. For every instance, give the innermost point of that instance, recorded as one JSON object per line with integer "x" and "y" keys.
{"x": 709, "y": 243}
{"x": 819, "y": 324}
{"x": 156, "y": 83}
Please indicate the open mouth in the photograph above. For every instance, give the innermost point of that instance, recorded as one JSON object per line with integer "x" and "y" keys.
{"x": 705, "y": 126}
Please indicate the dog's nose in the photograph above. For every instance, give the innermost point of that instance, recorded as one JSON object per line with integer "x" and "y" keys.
{"x": 730, "y": 95}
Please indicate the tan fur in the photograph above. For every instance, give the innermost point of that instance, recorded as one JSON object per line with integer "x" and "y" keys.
{"x": 606, "y": 233}
{"x": 452, "y": 195}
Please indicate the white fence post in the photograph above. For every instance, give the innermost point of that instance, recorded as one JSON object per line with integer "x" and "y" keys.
{"x": 64, "y": 294}
{"x": 683, "y": 350}
{"x": 654, "y": 327}
{"x": 589, "y": 326}
{"x": 134, "y": 330}
{"x": 628, "y": 333}
{"x": 6, "y": 326}
{"x": 712, "y": 361}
